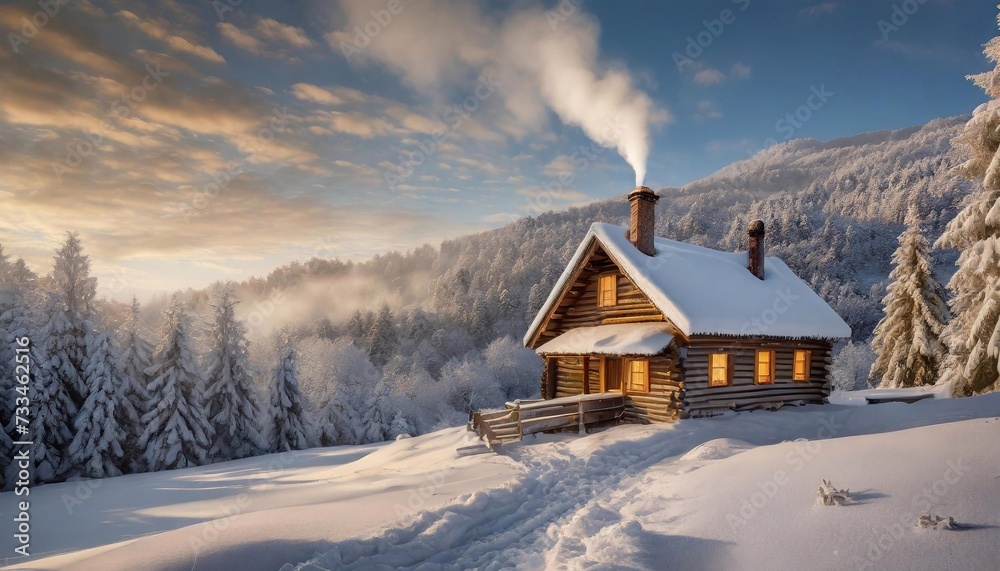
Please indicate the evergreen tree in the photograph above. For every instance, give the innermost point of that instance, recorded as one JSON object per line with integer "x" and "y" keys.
{"x": 381, "y": 340}
{"x": 336, "y": 420}
{"x": 973, "y": 365}
{"x": 97, "y": 450}
{"x": 356, "y": 326}
{"x": 53, "y": 410}
{"x": 71, "y": 280}
{"x": 400, "y": 425}
{"x": 290, "y": 429}
{"x": 907, "y": 340}
{"x": 231, "y": 399}
{"x": 136, "y": 359}
{"x": 176, "y": 429}
{"x": 374, "y": 423}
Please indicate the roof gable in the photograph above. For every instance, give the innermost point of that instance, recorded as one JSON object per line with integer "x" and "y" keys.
{"x": 708, "y": 292}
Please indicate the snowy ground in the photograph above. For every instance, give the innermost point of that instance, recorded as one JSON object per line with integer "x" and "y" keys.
{"x": 737, "y": 491}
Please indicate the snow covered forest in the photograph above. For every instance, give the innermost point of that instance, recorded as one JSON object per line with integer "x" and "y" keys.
{"x": 329, "y": 352}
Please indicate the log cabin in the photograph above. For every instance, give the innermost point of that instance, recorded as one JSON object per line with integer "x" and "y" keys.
{"x": 680, "y": 330}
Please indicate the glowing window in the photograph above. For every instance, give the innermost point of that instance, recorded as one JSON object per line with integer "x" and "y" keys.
{"x": 764, "y": 371}
{"x": 719, "y": 370}
{"x": 607, "y": 291}
{"x": 638, "y": 377}
{"x": 801, "y": 365}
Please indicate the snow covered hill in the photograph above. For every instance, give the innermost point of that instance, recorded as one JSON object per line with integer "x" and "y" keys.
{"x": 736, "y": 491}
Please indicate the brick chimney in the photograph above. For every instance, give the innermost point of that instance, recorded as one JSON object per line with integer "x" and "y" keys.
{"x": 756, "y": 254}
{"x": 641, "y": 229}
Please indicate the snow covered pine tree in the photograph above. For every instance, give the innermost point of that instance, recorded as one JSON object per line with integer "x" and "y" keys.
{"x": 69, "y": 336}
{"x": 177, "y": 430}
{"x": 136, "y": 359}
{"x": 908, "y": 339}
{"x": 973, "y": 336}
{"x": 97, "y": 450}
{"x": 290, "y": 429}
{"x": 230, "y": 397}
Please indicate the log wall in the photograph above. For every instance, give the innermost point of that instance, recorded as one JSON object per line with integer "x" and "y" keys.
{"x": 743, "y": 393}
{"x": 579, "y": 307}
{"x": 662, "y": 403}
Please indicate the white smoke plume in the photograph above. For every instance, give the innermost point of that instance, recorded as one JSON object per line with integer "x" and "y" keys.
{"x": 542, "y": 60}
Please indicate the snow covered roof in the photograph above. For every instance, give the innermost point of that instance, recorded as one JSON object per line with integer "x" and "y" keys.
{"x": 622, "y": 339}
{"x": 708, "y": 292}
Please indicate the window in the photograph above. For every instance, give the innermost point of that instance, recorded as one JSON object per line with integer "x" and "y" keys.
{"x": 638, "y": 376}
{"x": 718, "y": 364}
{"x": 801, "y": 365}
{"x": 607, "y": 291}
{"x": 764, "y": 371}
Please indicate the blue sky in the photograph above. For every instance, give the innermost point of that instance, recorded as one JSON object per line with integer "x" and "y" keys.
{"x": 264, "y": 139}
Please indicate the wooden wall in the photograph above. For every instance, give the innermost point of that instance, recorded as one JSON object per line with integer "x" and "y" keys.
{"x": 662, "y": 403}
{"x": 579, "y": 307}
{"x": 702, "y": 400}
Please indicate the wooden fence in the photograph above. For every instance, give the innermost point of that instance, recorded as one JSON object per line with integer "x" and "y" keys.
{"x": 530, "y": 417}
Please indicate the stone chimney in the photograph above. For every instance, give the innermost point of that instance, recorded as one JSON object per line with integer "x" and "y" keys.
{"x": 641, "y": 228}
{"x": 756, "y": 253}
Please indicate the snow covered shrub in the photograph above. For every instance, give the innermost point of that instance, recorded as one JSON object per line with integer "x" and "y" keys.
{"x": 829, "y": 495}
{"x": 936, "y": 522}
{"x": 851, "y": 367}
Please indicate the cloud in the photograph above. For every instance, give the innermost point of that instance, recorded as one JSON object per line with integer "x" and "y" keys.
{"x": 740, "y": 71}
{"x": 818, "y": 10}
{"x": 709, "y": 76}
{"x": 315, "y": 94}
{"x": 267, "y": 37}
{"x": 707, "y": 111}
{"x": 158, "y": 31}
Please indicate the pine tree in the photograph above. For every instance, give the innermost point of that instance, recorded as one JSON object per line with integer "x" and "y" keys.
{"x": 97, "y": 450}
{"x": 72, "y": 281}
{"x": 335, "y": 420}
{"x": 400, "y": 425}
{"x": 973, "y": 336}
{"x": 53, "y": 410}
{"x": 381, "y": 340}
{"x": 177, "y": 430}
{"x": 136, "y": 359}
{"x": 907, "y": 340}
{"x": 290, "y": 429}
{"x": 374, "y": 423}
{"x": 231, "y": 399}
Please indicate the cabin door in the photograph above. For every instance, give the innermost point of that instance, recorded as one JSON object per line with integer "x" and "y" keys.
{"x": 612, "y": 374}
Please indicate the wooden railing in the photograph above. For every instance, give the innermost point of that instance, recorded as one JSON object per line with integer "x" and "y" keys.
{"x": 530, "y": 417}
